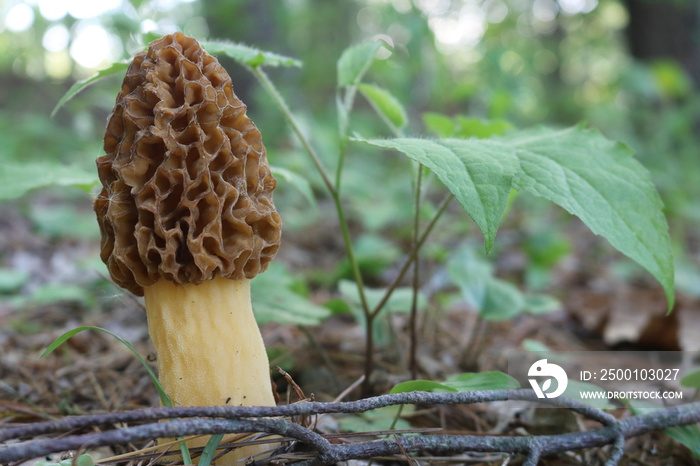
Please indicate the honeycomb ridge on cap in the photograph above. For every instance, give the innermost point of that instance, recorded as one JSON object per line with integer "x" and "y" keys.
{"x": 187, "y": 190}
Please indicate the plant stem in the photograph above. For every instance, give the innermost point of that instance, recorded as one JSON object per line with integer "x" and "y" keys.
{"x": 413, "y": 320}
{"x": 332, "y": 189}
{"x": 414, "y": 253}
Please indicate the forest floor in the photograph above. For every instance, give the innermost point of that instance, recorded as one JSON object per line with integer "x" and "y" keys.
{"x": 94, "y": 373}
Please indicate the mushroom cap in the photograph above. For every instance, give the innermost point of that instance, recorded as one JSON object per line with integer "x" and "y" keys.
{"x": 187, "y": 190}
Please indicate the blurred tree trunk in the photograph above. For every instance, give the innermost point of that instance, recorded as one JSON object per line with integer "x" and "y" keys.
{"x": 666, "y": 29}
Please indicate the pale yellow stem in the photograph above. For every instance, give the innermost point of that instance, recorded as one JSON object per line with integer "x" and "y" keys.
{"x": 210, "y": 351}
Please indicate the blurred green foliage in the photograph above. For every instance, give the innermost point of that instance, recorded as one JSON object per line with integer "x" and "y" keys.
{"x": 460, "y": 68}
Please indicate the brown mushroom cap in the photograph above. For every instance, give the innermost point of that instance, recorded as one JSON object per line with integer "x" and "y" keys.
{"x": 187, "y": 190}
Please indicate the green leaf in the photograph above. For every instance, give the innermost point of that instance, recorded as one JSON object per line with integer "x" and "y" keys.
{"x": 476, "y": 381}
{"x": 385, "y": 104}
{"x": 691, "y": 379}
{"x": 482, "y": 129}
{"x": 355, "y": 61}
{"x": 297, "y": 181}
{"x": 81, "y": 85}
{"x": 164, "y": 398}
{"x": 376, "y": 420}
{"x": 11, "y": 279}
{"x": 688, "y": 435}
{"x": 540, "y": 304}
{"x": 421, "y": 386}
{"x": 442, "y": 125}
{"x": 82, "y": 460}
{"x": 591, "y": 177}
{"x": 57, "y": 292}
{"x": 502, "y": 301}
{"x": 274, "y": 301}
{"x": 478, "y": 172}
{"x": 601, "y": 183}
{"x": 247, "y": 55}
{"x": 210, "y": 450}
{"x": 400, "y": 300}
{"x": 18, "y": 178}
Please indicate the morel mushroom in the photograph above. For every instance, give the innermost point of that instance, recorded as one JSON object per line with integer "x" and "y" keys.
{"x": 187, "y": 219}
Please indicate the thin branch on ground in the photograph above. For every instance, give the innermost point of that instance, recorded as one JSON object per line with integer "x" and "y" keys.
{"x": 230, "y": 419}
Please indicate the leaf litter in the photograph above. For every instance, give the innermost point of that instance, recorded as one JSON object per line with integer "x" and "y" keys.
{"x": 94, "y": 373}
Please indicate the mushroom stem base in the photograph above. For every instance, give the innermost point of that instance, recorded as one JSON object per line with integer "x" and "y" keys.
{"x": 210, "y": 350}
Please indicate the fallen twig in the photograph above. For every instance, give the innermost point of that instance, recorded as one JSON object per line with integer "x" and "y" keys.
{"x": 232, "y": 419}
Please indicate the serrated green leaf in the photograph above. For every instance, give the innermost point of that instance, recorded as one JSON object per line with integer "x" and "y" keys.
{"x": 421, "y": 386}
{"x": 385, "y": 103}
{"x": 164, "y": 398}
{"x": 600, "y": 182}
{"x": 478, "y": 172}
{"x": 355, "y": 61}
{"x": 18, "y": 178}
{"x": 298, "y": 182}
{"x": 588, "y": 175}
{"x": 247, "y": 55}
{"x": 476, "y": 381}
{"x": 82, "y": 84}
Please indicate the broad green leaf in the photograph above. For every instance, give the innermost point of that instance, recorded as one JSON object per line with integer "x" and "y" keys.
{"x": 376, "y": 420}
{"x": 691, "y": 379}
{"x": 476, "y": 381}
{"x": 400, "y": 300}
{"x": 82, "y": 460}
{"x": 18, "y": 178}
{"x": 57, "y": 292}
{"x": 274, "y": 301}
{"x": 442, "y": 125}
{"x": 478, "y": 172}
{"x": 385, "y": 103}
{"x": 164, "y": 398}
{"x": 540, "y": 304}
{"x": 81, "y": 85}
{"x": 600, "y": 182}
{"x": 298, "y": 182}
{"x": 502, "y": 301}
{"x": 11, "y": 279}
{"x": 355, "y": 61}
{"x": 591, "y": 177}
{"x": 421, "y": 386}
{"x": 688, "y": 435}
{"x": 247, "y": 55}
{"x": 481, "y": 129}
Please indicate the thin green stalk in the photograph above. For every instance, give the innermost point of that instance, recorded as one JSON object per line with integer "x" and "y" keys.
{"x": 279, "y": 100}
{"x": 347, "y": 103}
{"x": 413, "y": 319}
{"x": 414, "y": 253}
{"x": 332, "y": 189}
